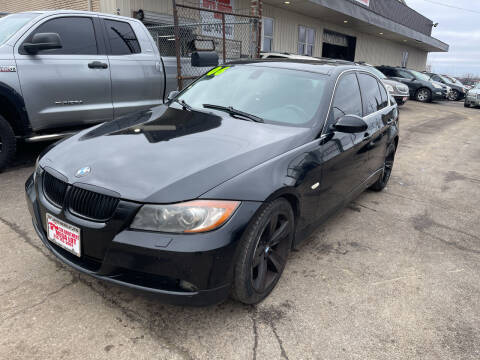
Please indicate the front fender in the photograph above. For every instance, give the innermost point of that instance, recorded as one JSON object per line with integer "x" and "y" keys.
{"x": 281, "y": 173}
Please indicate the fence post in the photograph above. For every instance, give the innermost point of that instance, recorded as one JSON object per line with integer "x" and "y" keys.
{"x": 177, "y": 45}
{"x": 224, "y": 40}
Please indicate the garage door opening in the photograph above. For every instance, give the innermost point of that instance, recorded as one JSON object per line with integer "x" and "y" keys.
{"x": 338, "y": 46}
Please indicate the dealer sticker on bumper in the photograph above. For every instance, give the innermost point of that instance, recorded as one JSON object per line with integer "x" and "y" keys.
{"x": 64, "y": 235}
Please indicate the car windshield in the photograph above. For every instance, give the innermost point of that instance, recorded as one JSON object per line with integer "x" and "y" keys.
{"x": 420, "y": 76}
{"x": 447, "y": 80}
{"x": 10, "y": 24}
{"x": 377, "y": 72}
{"x": 279, "y": 96}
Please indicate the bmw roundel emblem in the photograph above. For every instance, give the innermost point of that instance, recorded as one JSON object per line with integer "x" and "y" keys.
{"x": 83, "y": 171}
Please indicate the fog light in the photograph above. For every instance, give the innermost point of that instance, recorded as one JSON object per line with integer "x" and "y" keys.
{"x": 185, "y": 285}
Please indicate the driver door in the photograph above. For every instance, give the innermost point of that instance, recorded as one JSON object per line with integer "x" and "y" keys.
{"x": 66, "y": 87}
{"x": 344, "y": 156}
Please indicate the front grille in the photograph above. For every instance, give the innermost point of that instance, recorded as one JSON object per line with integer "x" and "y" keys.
{"x": 54, "y": 189}
{"x": 79, "y": 201}
{"x": 91, "y": 204}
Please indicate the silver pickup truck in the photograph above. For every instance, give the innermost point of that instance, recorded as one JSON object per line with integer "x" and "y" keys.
{"x": 64, "y": 70}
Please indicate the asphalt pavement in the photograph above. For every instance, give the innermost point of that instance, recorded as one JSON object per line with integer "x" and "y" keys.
{"x": 396, "y": 275}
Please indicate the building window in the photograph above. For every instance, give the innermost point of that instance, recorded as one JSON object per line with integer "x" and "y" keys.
{"x": 267, "y": 34}
{"x": 306, "y": 37}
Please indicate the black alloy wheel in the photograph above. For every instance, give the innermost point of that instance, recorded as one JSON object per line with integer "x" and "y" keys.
{"x": 263, "y": 253}
{"x": 382, "y": 181}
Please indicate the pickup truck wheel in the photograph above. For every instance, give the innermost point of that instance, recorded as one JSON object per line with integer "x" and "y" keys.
{"x": 423, "y": 95}
{"x": 263, "y": 252}
{"x": 8, "y": 143}
{"x": 382, "y": 181}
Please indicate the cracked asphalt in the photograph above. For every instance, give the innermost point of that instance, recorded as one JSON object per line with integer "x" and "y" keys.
{"x": 396, "y": 275}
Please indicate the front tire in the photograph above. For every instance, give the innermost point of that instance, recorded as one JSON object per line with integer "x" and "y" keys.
{"x": 263, "y": 252}
{"x": 423, "y": 95}
{"x": 455, "y": 96}
{"x": 466, "y": 104}
{"x": 382, "y": 181}
{"x": 8, "y": 143}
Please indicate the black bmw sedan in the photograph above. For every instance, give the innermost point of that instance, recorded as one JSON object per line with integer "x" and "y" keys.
{"x": 204, "y": 197}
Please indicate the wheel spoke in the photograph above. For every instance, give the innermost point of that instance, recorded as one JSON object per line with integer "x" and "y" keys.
{"x": 279, "y": 234}
{"x": 258, "y": 256}
{"x": 273, "y": 225}
{"x": 276, "y": 260}
{"x": 259, "y": 282}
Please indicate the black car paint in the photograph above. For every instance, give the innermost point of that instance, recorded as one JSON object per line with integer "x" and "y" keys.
{"x": 166, "y": 155}
{"x": 413, "y": 83}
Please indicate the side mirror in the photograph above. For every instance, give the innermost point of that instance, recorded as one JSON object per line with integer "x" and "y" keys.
{"x": 204, "y": 58}
{"x": 350, "y": 124}
{"x": 172, "y": 94}
{"x": 43, "y": 41}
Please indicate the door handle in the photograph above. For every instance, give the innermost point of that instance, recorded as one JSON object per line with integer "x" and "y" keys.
{"x": 97, "y": 65}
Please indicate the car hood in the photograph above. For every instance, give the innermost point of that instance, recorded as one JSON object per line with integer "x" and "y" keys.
{"x": 396, "y": 84}
{"x": 168, "y": 155}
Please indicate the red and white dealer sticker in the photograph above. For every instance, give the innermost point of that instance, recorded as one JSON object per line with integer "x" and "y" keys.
{"x": 64, "y": 235}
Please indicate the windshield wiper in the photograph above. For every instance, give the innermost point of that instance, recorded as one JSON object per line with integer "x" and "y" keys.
{"x": 184, "y": 105}
{"x": 232, "y": 111}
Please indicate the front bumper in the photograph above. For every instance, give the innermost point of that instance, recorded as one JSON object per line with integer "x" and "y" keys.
{"x": 439, "y": 94}
{"x": 401, "y": 98}
{"x": 472, "y": 100}
{"x": 158, "y": 263}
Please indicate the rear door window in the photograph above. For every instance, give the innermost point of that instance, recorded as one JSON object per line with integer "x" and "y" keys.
{"x": 122, "y": 38}
{"x": 347, "y": 100}
{"x": 76, "y": 34}
{"x": 371, "y": 97}
{"x": 384, "y": 95}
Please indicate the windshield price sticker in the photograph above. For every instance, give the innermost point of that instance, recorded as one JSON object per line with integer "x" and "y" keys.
{"x": 218, "y": 70}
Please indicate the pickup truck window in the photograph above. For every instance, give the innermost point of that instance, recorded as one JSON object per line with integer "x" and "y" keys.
{"x": 285, "y": 96}
{"x": 122, "y": 38}
{"x": 76, "y": 33}
{"x": 10, "y": 24}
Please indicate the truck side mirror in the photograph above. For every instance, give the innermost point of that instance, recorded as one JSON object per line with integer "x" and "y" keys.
{"x": 43, "y": 41}
{"x": 204, "y": 58}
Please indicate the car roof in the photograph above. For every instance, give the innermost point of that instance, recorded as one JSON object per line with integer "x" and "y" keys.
{"x": 317, "y": 65}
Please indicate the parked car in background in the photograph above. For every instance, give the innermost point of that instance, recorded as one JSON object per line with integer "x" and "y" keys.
{"x": 206, "y": 195}
{"x": 420, "y": 86}
{"x": 65, "y": 70}
{"x": 398, "y": 90}
{"x": 473, "y": 97}
{"x": 457, "y": 90}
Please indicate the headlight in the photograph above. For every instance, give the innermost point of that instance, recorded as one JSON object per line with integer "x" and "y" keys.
{"x": 188, "y": 217}
{"x": 389, "y": 88}
{"x": 436, "y": 86}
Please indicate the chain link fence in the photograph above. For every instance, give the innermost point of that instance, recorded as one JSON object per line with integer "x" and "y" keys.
{"x": 235, "y": 36}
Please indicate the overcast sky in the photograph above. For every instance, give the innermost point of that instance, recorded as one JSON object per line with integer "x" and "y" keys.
{"x": 458, "y": 28}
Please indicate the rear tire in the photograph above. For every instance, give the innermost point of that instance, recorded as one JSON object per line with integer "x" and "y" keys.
{"x": 423, "y": 95}
{"x": 263, "y": 252}
{"x": 465, "y": 104}
{"x": 382, "y": 181}
{"x": 8, "y": 143}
